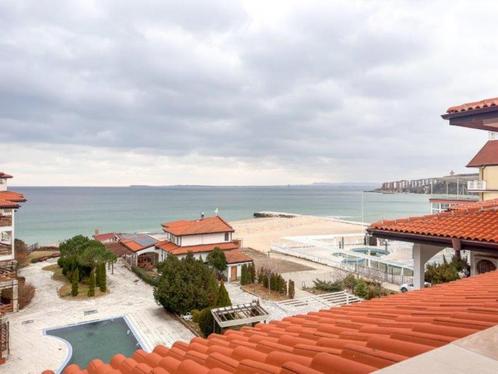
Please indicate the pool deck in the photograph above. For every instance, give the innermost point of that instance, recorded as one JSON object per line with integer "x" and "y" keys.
{"x": 33, "y": 352}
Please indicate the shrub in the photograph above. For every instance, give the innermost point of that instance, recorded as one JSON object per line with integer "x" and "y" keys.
{"x": 75, "y": 280}
{"x": 206, "y": 322}
{"x": 26, "y": 294}
{"x": 329, "y": 286}
{"x": 245, "y": 276}
{"x": 145, "y": 276}
{"x": 361, "y": 289}
{"x": 349, "y": 281}
{"x": 195, "y": 315}
{"x": 91, "y": 284}
{"x": 445, "y": 272}
{"x": 291, "y": 291}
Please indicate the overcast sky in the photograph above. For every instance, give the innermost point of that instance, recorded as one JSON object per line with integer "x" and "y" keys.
{"x": 240, "y": 93}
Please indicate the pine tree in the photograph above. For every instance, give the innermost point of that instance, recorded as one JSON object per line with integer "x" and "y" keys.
{"x": 102, "y": 280}
{"x": 91, "y": 284}
{"x": 223, "y": 298}
{"x": 212, "y": 290}
{"x": 252, "y": 272}
{"x": 292, "y": 290}
{"x": 75, "y": 280}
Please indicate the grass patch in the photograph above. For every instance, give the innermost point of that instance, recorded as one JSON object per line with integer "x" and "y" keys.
{"x": 260, "y": 291}
{"x": 64, "y": 291}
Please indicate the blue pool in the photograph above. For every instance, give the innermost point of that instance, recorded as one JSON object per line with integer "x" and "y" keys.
{"x": 99, "y": 339}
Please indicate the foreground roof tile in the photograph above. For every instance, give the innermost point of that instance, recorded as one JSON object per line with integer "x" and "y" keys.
{"x": 486, "y": 103}
{"x": 359, "y": 338}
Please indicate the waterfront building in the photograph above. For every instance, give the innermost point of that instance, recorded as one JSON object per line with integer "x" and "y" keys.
{"x": 9, "y": 202}
{"x": 200, "y": 237}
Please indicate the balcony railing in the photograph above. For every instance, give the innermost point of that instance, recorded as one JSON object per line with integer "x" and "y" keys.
{"x": 5, "y": 221}
{"x": 476, "y": 185}
{"x": 5, "y": 249}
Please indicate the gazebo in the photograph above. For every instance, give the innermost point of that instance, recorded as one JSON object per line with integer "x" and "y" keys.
{"x": 239, "y": 315}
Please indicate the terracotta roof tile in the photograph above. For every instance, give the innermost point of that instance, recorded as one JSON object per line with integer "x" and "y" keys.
{"x": 361, "y": 338}
{"x": 236, "y": 256}
{"x": 488, "y": 155}
{"x": 464, "y": 224}
{"x": 8, "y": 204}
{"x": 207, "y": 225}
{"x": 174, "y": 249}
{"x": 15, "y": 197}
{"x": 473, "y": 105}
{"x": 105, "y": 236}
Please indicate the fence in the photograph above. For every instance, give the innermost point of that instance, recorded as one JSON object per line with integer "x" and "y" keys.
{"x": 391, "y": 274}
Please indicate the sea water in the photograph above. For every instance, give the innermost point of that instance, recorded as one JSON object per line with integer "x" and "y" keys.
{"x": 53, "y": 214}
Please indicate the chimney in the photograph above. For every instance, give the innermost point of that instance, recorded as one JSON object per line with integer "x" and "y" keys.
{"x": 97, "y": 231}
{"x": 202, "y": 215}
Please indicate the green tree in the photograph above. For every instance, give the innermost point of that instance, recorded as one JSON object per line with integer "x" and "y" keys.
{"x": 212, "y": 290}
{"x": 216, "y": 259}
{"x": 244, "y": 275}
{"x": 252, "y": 273}
{"x": 182, "y": 284}
{"x": 223, "y": 299}
{"x": 102, "y": 277}
{"x": 291, "y": 289}
{"x": 75, "y": 280}
{"x": 97, "y": 275}
{"x": 91, "y": 284}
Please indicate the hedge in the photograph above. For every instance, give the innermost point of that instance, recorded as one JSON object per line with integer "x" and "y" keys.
{"x": 145, "y": 276}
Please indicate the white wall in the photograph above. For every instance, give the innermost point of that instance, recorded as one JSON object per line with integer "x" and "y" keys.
{"x": 189, "y": 240}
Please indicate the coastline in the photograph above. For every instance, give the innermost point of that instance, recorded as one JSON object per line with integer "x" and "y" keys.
{"x": 260, "y": 233}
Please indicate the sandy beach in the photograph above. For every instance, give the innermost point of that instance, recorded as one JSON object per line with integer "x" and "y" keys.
{"x": 260, "y": 233}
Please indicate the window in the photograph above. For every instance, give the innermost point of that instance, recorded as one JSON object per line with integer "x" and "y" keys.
{"x": 227, "y": 236}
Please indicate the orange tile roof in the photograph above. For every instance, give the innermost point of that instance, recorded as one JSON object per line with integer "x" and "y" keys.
{"x": 236, "y": 256}
{"x": 8, "y": 204}
{"x": 12, "y": 196}
{"x": 465, "y": 224}
{"x": 207, "y": 225}
{"x": 486, "y": 204}
{"x": 488, "y": 155}
{"x": 473, "y": 105}
{"x": 4, "y": 176}
{"x": 104, "y": 236}
{"x": 133, "y": 245}
{"x": 176, "y": 250}
{"x": 358, "y": 338}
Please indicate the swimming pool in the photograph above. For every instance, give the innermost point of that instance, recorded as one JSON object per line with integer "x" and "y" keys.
{"x": 97, "y": 339}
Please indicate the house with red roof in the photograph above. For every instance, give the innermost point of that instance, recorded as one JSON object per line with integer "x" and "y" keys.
{"x": 9, "y": 203}
{"x": 200, "y": 237}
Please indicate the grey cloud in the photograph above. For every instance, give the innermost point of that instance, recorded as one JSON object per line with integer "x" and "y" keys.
{"x": 332, "y": 83}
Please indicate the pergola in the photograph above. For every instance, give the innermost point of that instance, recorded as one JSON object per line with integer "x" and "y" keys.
{"x": 471, "y": 229}
{"x": 241, "y": 314}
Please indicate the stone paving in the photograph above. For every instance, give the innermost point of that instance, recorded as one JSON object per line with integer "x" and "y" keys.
{"x": 31, "y": 351}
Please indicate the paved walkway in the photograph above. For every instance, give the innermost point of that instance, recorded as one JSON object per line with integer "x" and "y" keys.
{"x": 32, "y": 351}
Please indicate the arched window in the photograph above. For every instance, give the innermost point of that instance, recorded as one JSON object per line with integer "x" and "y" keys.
{"x": 483, "y": 266}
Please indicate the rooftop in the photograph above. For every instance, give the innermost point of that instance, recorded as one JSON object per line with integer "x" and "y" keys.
{"x": 207, "y": 225}
{"x": 15, "y": 197}
{"x": 487, "y": 156}
{"x": 475, "y": 105}
{"x": 174, "y": 249}
{"x": 358, "y": 338}
{"x": 8, "y": 204}
{"x": 4, "y": 176}
{"x": 236, "y": 256}
{"x": 471, "y": 225}
{"x": 137, "y": 242}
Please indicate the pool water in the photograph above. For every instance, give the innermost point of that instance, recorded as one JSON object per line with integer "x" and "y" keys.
{"x": 100, "y": 339}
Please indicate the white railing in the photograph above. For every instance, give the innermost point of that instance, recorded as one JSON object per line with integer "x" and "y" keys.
{"x": 476, "y": 185}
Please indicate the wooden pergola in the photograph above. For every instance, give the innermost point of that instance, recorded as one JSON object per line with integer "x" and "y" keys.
{"x": 241, "y": 314}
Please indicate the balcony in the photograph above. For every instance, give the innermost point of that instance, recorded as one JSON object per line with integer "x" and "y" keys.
{"x": 7, "y": 270}
{"x": 5, "y": 249}
{"x": 5, "y": 221}
{"x": 476, "y": 186}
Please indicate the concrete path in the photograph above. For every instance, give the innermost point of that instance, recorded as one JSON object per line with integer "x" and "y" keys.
{"x": 33, "y": 352}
